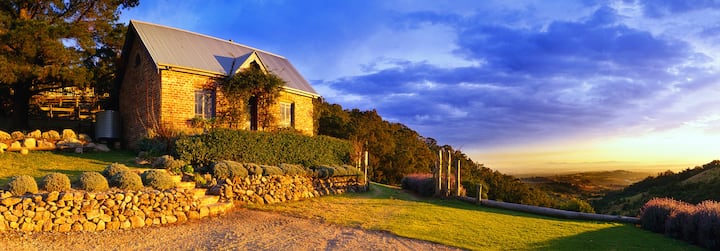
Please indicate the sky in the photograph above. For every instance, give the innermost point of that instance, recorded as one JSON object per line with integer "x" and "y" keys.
{"x": 521, "y": 86}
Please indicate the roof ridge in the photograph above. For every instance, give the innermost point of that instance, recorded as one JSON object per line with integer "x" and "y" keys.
{"x": 207, "y": 36}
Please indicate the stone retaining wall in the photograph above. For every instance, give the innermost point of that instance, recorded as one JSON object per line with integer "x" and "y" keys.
{"x": 89, "y": 211}
{"x": 116, "y": 209}
{"x": 276, "y": 188}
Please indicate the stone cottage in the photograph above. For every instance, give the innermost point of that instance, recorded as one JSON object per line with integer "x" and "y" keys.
{"x": 170, "y": 78}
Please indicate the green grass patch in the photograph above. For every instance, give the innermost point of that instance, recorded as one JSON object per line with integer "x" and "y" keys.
{"x": 468, "y": 226}
{"x": 39, "y": 163}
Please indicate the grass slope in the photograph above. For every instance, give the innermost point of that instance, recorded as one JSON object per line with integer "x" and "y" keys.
{"x": 40, "y": 163}
{"x": 469, "y": 226}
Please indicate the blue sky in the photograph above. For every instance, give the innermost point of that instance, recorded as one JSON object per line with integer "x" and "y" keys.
{"x": 518, "y": 85}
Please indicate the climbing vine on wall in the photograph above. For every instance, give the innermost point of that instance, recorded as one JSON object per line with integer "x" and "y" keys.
{"x": 250, "y": 87}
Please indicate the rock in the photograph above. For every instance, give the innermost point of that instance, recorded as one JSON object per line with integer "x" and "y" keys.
{"x": 52, "y": 196}
{"x": 17, "y": 135}
{"x": 27, "y": 226}
{"x": 15, "y": 145}
{"x": 84, "y": 137}
{"x": 105, "y": 217}
{"x": 100, "y": 226}
{"x": 89, "y": 226}
{"x": 8, "y": 202}
{"x": 136, "y": 221}
{"x": 30, "y": 143}
{"x": 69, "y": 134}
{"x": 77, "y": 226}
{"x": 51, "y": 135}
{"x": 101, "y": 148}
{"x": 125, "y": 224}
{"x": 3, "y": 146}
{"x": 66, "y": 196}
{"x": 92, "y": 214}
{"x": 68, "y": 143}
{"x": 5, "y": 136}
{"x": 64, "y": 228}
{"x": 34, "y": 134}
{"x": 44, "y": 144}
{"x": 24, "y": 151}
{"x": 78, "y": 150}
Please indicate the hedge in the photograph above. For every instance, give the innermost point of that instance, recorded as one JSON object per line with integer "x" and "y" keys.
{"x": 263, "y": 148}
{"x": 698, "y": 224}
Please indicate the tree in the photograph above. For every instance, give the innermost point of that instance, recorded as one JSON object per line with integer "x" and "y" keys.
{"x": 47, "y": 45}
{"x": 251, "y": 86}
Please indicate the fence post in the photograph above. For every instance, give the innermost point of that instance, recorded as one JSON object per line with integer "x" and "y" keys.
{"x": 440, "y": 167}
{"x": 457, "y": 188}
{"x": 367, "y": 182}
{"x": 449, "y": 171}
{"x": 479, "y": 195}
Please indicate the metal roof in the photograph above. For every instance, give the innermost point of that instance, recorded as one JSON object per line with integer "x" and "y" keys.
{"x": 175, "y": 47}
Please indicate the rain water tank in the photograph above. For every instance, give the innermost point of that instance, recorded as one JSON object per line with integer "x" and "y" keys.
{"x": 107, "y": 125}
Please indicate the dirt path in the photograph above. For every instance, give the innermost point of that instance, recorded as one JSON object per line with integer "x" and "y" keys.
{"x": 241, "y": 229}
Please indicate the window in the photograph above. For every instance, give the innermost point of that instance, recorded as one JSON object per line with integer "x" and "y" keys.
{"x": 205, "y": 103}
{"x": 287, "y": 115}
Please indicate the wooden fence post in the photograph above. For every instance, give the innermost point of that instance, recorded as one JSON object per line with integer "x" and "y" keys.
{"x": 449, "y": 171}
{"x": 457, "y": 187}
{"x": 479, "y": 195}
{"x": 440, "y": 167}
{"x": 367, "y": 182}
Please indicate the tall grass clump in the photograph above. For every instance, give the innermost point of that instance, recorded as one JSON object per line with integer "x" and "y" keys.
{"x": 655, "y": 212}
{"x": 420, "y": 183}
{"x": 698, "y": 224}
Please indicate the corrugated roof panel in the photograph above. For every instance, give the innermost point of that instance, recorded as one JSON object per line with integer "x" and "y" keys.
{"x": 173, "y": 46}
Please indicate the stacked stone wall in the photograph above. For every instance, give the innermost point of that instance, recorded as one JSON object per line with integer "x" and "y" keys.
{"x": 89, "y": 211}
{"x": 278, "y": 188}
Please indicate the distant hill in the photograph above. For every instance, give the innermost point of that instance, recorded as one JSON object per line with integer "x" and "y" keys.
{"x": 691, "y": 185}
{"x": 587, "y": 185}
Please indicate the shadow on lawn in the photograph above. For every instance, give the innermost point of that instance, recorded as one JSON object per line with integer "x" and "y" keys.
{"x": 624, "y": 237}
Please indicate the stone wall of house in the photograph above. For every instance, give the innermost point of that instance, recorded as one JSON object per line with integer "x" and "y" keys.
{"x": 304, "y": 109}
{"x": 139, "y": 95}
{"x": 89, "y": 211}
{"x": 178, "y": 96}
{"x": 280, "y": 188}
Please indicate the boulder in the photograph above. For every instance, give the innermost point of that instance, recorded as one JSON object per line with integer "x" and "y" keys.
{"x": 17, "y": 135}
{"x": 101, "y": 148}
{"x": 45, "y": 144}
{"x": 69, "y": 134}
{"x": 15, "y": 145}
{"x": 51, "y": 135}
{"x": 84, "y": 137}
{"x": 30, "y": 143}
{"x": 5, "y": 136}
{"x": 34, "y": 134}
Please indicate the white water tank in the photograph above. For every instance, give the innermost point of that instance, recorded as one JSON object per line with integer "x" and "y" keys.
{"x": 107, "y": 125}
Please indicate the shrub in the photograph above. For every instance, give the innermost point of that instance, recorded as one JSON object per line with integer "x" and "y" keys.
{"x": 253, "y": 169}
{"x": 577, "y": 205}
{"x": 22, "y": 184}
{"x": 126, "y": 180}
{"x": 291, "y": 169}
{"x": 158, "y": 179}
{"x": 262, "y": 148}
{"x": 56, "y": 182}
{"x": 187, "y": 169}
{"x": 162, "y": 161}
{"x": 113, "y": 169}
{"x": 93, "y": 182}
{"x": 708, "y": 224}
{"x": 227, "y": 169}
{"x": 272, "y": 170}
{"x": 420, "y": 183}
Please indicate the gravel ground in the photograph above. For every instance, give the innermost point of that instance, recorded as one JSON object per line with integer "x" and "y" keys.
{"x": 240, "y": 229}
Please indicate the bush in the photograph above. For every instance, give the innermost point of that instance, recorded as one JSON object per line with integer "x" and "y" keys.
{"x": 577, "y": 205}
{"x": 261, "y": 147}
{"x": 56, "y": 182}
{"x": 272, "y": 170}
{"x": 253, "y": 169}
{"x": 22, "y": 184}
{"x": 680, "y": 222}
{"x": 291, "y": 169}
{"x": 93, "y": 182}
{"x": 113, "y": 169}
{"x": 420, "y": 183}
{"x": 158, "y": 179}
{"x": 126, "y": 180}
{"x": 227, "y": 169}
{"x": 655, "y": 212}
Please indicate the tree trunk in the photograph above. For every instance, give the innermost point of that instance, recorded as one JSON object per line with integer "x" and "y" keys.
{"x": 21, "y": 107}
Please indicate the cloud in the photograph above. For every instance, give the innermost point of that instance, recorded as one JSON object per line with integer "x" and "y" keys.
{"x": 659, "y": 9}
{"x": 592, "y": 76}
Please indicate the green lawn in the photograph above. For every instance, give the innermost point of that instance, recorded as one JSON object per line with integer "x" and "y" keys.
{"x": 469, "y": 226}
{"x": 40, "y": 163}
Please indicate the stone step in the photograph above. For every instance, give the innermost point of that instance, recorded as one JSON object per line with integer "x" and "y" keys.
{"x": 185, "y": 185}
{"x": 208, "y": 200}
{"x": 176, "y": 178}
{"x": 219, "y": 208}
{"x": 199, "y": 192}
